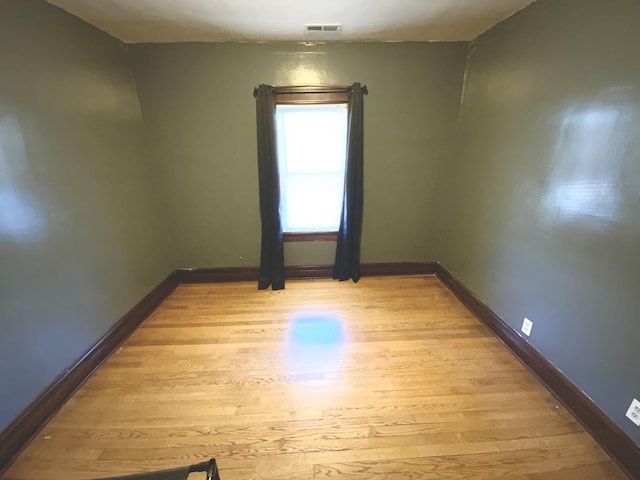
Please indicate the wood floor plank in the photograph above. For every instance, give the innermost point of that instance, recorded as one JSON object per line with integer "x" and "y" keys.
{"x": 389, "y": 378}
{"x": 484, "y": 466}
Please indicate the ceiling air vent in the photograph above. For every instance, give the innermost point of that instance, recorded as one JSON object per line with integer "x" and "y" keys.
{"x": 322, "y": 27}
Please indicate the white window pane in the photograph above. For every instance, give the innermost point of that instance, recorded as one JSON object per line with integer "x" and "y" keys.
{"x": 311, "y": 162}
{"x": 313, "y": 203}
{"x": 315, "y": 139}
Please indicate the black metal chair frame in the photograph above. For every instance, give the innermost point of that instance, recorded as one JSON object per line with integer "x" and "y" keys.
{"x": 181, "y": 473}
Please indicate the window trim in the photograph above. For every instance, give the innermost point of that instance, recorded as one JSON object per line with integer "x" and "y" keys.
{"x": 310, "y": 236}
{"x": 311, "y": 95}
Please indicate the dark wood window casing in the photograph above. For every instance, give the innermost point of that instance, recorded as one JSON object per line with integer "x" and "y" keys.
{"x": 311, "y": 95}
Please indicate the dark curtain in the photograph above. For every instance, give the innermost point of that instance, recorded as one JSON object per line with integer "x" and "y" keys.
{"x": 272, "y": 251}
{"x": 347, "y": 263}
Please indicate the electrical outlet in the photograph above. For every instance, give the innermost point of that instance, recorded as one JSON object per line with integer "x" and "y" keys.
{"x": 633, "y": 413}
{"x": 527, "y": 325}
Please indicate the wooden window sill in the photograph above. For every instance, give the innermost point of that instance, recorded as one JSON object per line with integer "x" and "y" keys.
{"x": 310, "y": 236}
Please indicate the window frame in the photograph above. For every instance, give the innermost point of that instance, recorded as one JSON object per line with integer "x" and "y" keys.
{"x": 311, "y": 95}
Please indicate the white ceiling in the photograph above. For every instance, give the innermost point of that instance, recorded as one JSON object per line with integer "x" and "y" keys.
{"x": 137, "y": 21}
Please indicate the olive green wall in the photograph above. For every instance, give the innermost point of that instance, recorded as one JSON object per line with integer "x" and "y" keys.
{"x": 544, "y": 193}
{"x": 79, "y": 243}
{"x": 200, "y": 113}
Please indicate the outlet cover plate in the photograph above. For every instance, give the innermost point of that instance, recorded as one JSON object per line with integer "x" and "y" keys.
{"x": 633, "y": 413}
{"x": 527, "y": 325}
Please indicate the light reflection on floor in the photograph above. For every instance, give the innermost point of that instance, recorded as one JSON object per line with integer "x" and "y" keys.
{"x": 315, "y": 342}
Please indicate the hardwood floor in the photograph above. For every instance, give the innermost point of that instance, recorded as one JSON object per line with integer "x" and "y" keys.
{"x": 390, "y": 378}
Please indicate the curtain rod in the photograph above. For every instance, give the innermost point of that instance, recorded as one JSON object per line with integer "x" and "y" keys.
{"x": 314, "y": 89}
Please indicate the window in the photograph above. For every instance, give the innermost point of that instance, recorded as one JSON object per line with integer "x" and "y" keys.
{"x": 310, "y": 124}
{"x": 303, "y": 134}
{"x": 311, "y": 142}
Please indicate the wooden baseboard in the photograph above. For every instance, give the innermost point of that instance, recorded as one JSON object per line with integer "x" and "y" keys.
{"x": 240, "y": 274}
{"x": 248, "y": 274}
{"x": 406, "y": 268}
{"x": 217, "y": 275}
{"x": 609, "y": 435}
{"x": 20, "y": 432}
